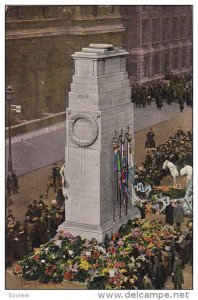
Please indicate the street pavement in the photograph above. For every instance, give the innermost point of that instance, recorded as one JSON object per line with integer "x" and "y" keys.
{"x": 34, "y": 150}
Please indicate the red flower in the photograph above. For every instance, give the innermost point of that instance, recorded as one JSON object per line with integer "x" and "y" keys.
{"x": 68, "y": 275}
{"x": 111, "y": 249}
{"x": 17, "y": 269}
{"x": 36, "y": 257}
{"x": 50, "y": 270}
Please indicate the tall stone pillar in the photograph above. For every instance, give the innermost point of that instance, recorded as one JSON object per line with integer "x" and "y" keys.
{"x": 99, "y": 105}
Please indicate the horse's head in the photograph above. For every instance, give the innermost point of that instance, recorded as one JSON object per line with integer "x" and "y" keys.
{"x": 183, "y": 171}
{"x": 165, "y": 164}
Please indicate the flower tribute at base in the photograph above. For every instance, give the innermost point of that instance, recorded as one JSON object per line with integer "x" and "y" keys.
{"x": 120, "y": 264}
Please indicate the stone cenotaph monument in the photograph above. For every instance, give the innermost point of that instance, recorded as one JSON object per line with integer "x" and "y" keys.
{"x": 99, "y": 105}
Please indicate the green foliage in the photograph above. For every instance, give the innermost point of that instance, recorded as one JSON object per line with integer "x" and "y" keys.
{"x": 176, "y": 193}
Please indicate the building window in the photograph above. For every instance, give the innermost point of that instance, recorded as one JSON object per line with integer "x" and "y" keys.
{"x": 166, "y": 7}
{"x": 110, "y": 9}
{"x": 146, "y": 66}
{"x": 165, "y": 29}
{"x": 156, "y": 64}
{"x": 190, "y": 57}
{"x": 86, "y": 10}
{"x": 175, "y": 28}
{"x": 45, "y": 11}
{"x": 133, "y": 70}
{"x": 166, "y": 63}
{"x": 95, "y": 10}
{"x": 183, "y": 58}
{"x": 145, "y": 32}
{"x": 145, "y": 7}
{"x": 175, "y": 59}
{"x": 174, "y": 8}
{"x": 107, "y": 9}
{"x": 184, "y": 28}
{"x": 156, "y": 30}
{"x": 190, "y": 28}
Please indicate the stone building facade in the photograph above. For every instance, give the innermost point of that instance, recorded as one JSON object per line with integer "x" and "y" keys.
{"x": 41, "y": 39}
{"x": 39, "y": 44}
{"x": 158, "y": 39}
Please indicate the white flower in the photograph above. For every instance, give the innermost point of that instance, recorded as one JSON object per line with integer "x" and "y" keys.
{"x": 70, "y": 252}
{"x": 43, "y": 261}
{"x": 58, "y": 243}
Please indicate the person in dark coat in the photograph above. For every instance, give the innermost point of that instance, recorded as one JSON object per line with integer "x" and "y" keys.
{"x": 18, "y": 248}
{"x": 181, "y": 106}
{"x": 177, "y": 275}
{"x": 169, "y": 213}
{"x": 142, "y": 211}
{"x": 55, "y": 173}
{"x": 29, "y": 228}
{"x": 150, "y": 142}
{"x": 29, "y": 211}
{"x": 178, "y": 214}
{"x": 158, "y": 101}
{"x": 15, "y": 183}
{"x": 59, "y": 196}
{"x": 156, "y": 178}
{"x": 9, "y": 184}
{"x": 9, "y": 238}
{"x": 36, "y": 237}
{"x": 158, "y": 274}
{"x": 35, "y": 210}
{"x": 42, "y": 234}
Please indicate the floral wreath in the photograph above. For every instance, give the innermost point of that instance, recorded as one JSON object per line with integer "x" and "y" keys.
{"x": 94, "y": 127}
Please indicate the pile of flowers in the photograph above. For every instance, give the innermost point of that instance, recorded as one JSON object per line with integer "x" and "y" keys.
{"x": 119, "y": 264}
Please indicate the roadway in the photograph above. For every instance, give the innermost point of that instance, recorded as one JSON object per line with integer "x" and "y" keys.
{"x": 34, "y": 150}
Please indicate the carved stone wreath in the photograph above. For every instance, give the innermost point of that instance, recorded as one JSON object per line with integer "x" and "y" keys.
{"x": 93, "y": 126}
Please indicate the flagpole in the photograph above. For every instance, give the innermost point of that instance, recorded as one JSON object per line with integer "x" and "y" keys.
{"x": 127, "y": 176}
{"x": 116, "y": 148}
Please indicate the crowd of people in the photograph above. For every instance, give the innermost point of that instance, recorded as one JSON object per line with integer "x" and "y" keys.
{"x": 176, "y": 89}
{"x": 178, "y": 150}
{"x": 40, "y": 225}
{"x": 171, "y": 260}
{"x": 41, "y": 221}
{"x": 166, "y": 261}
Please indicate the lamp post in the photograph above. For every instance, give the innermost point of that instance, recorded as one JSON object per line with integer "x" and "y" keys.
{"x": 9, "y": 98}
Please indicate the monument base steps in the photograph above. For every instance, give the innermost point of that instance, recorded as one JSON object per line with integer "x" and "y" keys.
{"x": 88, "y": 231}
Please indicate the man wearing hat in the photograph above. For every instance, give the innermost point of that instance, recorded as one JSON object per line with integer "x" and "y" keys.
{"x": 158, "y": 275}
{"x": 178, "y": 214}
{"x": 55, "y": 173}
{"x": 150, "y": 142}
{"x": 15, "y": 182}
{"x": 169, "y": 213}
{"x": 177, "y": 274}
{"x": 166, "y": 260}
{"x": 35, "y": 209}
{"x": 42, "y": 231}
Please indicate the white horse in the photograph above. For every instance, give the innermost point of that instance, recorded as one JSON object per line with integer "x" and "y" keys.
{"x": 187, "y": 170}
{"x": 172, "y": 168}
